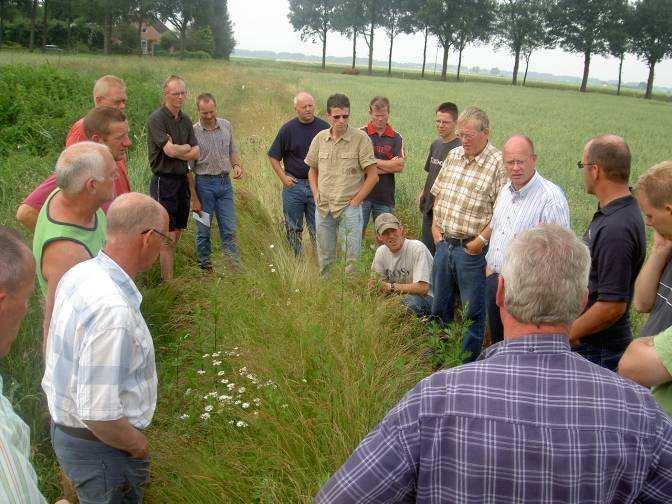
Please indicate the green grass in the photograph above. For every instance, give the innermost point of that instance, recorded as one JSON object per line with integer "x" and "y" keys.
{"x": 331, "y": 358}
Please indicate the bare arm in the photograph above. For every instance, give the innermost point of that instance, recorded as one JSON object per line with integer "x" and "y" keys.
{"x": 419, "y": 288}
{"x": 312, "y": 181}
{"x": 598, "y": 317}
{"x": 394, "y": 165}
{"x": 641, "y": 364}
{"x": 194, "y": 202}
{"x": 436, "y": 232}
{"x": 369, "y": 183}
{"x": 121, "y": 435}
{"x": 286, "y": 180}
{"x": 185, "y": 152}
{"x": 646, "y": 284}
{"x": 27, "y": 216}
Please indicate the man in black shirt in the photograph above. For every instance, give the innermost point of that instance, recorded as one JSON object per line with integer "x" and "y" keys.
{"x": 617, "y": 244}
{"x": 291, "y": 146}
{"x": 171, "y": 144}
{"x": 445, "y": 122}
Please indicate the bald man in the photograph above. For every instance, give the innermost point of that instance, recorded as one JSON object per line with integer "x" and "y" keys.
{"x": 290, "y": 147}
{"x": 100, "y": 377}
{"x": 525, "y": 202}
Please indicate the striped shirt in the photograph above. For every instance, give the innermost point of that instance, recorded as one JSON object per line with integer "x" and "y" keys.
{"x": 18, "y": 481}
{"x": 100, "y": 355}
{"x": 531, "y": 422}
{"x": 216, "y": 147}
{"x": 466, "y": 191}
{"x": 539, "y": 201}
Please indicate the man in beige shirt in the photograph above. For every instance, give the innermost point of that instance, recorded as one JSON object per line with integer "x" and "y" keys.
{"x": 342, "y": 173}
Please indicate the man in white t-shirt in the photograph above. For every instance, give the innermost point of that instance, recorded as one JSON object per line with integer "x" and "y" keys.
{"x": 402, "y": 266}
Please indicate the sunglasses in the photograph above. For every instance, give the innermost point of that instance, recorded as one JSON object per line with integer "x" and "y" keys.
{"x": 581, "y": 165}
{"x": 337, "y": 117}
{"x": 166, "y": 239}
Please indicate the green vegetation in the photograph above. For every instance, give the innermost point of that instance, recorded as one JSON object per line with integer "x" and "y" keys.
{"x": 324, "y": 357}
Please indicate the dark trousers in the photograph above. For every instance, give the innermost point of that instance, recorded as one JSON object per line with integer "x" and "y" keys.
{"x": 494, "y": 319}
{"x": 427, "y": 237}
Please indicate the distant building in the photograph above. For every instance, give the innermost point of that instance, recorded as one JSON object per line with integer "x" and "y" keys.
{"x": 150, "y": 34}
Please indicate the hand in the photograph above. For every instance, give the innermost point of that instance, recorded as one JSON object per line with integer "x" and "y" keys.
{"x": 289, "y": 181}
{"x": 661, "y": 244}
{"x": 385, "y": 287}
{"x": 141, "y": 448}
{"x": 474, "y": 247}
{"x": 419, "y": 198}
{"x": 170, "y": 139}
{"x": 237, "y": 172}
{"x": 196, "y": 204}
{"x": 354, "y": 202}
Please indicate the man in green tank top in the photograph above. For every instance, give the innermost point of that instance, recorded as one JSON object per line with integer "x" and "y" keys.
{"x": 71, "y": 226}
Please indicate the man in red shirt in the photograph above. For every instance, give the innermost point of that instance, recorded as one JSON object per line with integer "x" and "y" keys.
{"x": 108, "y": 91}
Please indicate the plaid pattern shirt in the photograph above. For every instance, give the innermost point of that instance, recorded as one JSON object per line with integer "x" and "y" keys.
{"x": 531, "y": 422}
{"x": 465, "y": 191}
{"x": 100, "y": 355}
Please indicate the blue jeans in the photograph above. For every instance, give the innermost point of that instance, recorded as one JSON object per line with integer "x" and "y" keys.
{"x": 100, "y": 473}
{"x": 297, "y": 202}
{"x": 494, "y": 318}
{"x": 216, "y": 196}
{"x": 456, "y": 272}
{"x": 419, "y": 305}
{"x": 348, "y": 226}
{"x": 605, "y": 357}
{"x": 371, "y": 207}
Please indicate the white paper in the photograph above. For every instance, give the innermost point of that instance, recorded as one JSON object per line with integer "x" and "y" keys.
{"x": 203, "y": 218}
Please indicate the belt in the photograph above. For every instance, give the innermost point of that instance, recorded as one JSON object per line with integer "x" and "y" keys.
{"x": 78, "y": 432}
{"x": 457, "y": 241}
{"x": 223, "y": 174}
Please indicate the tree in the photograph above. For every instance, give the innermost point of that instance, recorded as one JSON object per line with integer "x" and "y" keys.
{"x": 397, "y": 18}
{"x": 178, "y": 13}
{"x": 651, "y": 35}
{"x": 442, "y": 17}
{"x": 473, "y": 24}
{"x": 373, "y": 12}
{"x": 33, "y": 17}
{"x": 419, "y": 24}
{"x": 619, "y": 36}
{"x": 222, "y": 31}
{"x": 314, "y": 19}
{"x": 349, "y": 21}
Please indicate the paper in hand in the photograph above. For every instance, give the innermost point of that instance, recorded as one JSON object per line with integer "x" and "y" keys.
{"x": 203, "y": 218}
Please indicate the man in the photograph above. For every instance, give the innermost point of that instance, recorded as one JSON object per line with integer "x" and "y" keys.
{"x": 342, "y": 173}
{"x": 291, "y": 146}
{"x": 108, "y": 91}
{"x": 648, "y": 360}
{"x": 100, "y": 377}
{"x": 531, "y": 421}
{"x": 18, "y": 481}
{"x": 171, "y": 144}
{"x": 526, "y": 201}
{"x": 388, "y": 147}
{"x": 465, "y": 191}
{"x": 617, "y": 246}
{"x": 71, "y": 226}
{"x": 213, "y": 192}
{"x": 402, "y": 266}
{"x": 445, "y": 122}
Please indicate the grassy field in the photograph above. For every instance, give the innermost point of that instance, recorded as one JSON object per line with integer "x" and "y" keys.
{"x": 303, "y": 367}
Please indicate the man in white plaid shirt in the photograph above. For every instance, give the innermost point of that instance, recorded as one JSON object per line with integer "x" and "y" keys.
{"x": 465, "y": 190}
{"x": 100, "y": 377}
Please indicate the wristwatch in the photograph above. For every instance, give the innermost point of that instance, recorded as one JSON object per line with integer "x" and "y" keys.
{"x": 485, "y": 242}
{"x": 391, "y": 286}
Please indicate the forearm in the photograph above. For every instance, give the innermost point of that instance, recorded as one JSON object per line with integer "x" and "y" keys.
{"x": 119, "y": 434}
{"x": 436, "y": 232}
{"x": 395, "y": 165}
{"x": 598, "y": 317}
{"x": 235, "y": 160}
{"x": 192, "y": 184}
{"x": 369, "y": 183}
{"x": 486, "y": 232}
{"x": 312, "y": 181}
{"x": 418, "y": 288}
{"x": 640, "y": 363}
{"x": 646, "y": 284}
{"x": 278, "y": 169}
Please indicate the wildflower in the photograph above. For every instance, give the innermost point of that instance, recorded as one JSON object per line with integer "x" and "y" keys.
{"x": 213, "y": 393}
{"x": 187, "y": 392}
{"x": 224, "y": 398}
{"x": 216, "y": 363}
{"x": 231, "y": 386}
{"x": 272, "y": 270}
{"x": 304, "y": 380}
{"x": 205, "y": 356}
{"x": 222, "y": 373}
{"x": 208, "y": 408}
{"x": 237, "y": 402}
{"x": 272, "y": 246}
{"x": 205, "y": 416}
{"x": 231, "y": 422}
{"x": 241, "y": 390}
{"x": 243, "y": 370}
{"x": 283, "y": 406}
{"x": 224, "y": 381}
{"x": 256, "y": 401}
{"x": 296, "y": 290}
{"x": 184, "y": 417}
{"x": 241, "y": 424}
{"x": 215, "y": 354}
{"x": 201, "y": 371}
{"x": 245, "y": 405}
{"x": 270, "y": 265}
{"x": 255, "y": 413}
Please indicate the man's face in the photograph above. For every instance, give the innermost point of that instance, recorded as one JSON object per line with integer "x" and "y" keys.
{"x": 117, "y": 140}
{"x": 154, "y": 243}
{"x": 445, "y": 124}
{"x": 393, "y": 239}
{"x": 659, "y": 219}
{"x": 473, "y": 139}
{"x": 207, "y": 113}
{"x": 115, "y": 97}
{"x": 588, "y": 170}
{"x": 105, "y": 188}
{"x": 339, "y": 119}
{"x": 379, "y": 117}
{"x": 305, "y": 109}
{"x": 519, "y": 161}
{"x": 13, "y": 307}
{"x": 175, "y": 94}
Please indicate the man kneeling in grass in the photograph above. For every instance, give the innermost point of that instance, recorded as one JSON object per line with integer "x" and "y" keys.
{"x": 402, "y": 266}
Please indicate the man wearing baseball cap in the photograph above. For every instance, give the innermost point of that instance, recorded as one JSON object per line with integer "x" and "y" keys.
{"x": 402, "y": 266}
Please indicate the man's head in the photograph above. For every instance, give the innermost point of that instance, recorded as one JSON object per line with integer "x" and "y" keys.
{"x": 654, "y": 195}
{"x": 605, "y": 160}
{"x": 379, "y": 112}
{"x": 304, "y": 106}
{"x": 519, "y": 160}
{"x": 108, "y": 125}
{"x": 446, "y": 120}
{"x": 207, "y": 109}
{"x": 87, "y": 171}
{"x": 389, "y": 231}
{"x": 338, "y": 112}
{"x": 544, "y": 279}
{"x": 109, "y": 91}
{"x": 174, "y": 92}
{"x": 137, "y": 225}
{"x": 17, "y": 279}
{"x": 474, "y": 130}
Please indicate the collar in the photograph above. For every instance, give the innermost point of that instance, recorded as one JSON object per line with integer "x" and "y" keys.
{"x": 616, "y": 205}
{"x": 482, "y": 156}
{"x": 346, "y": 136}
{"x": 371, "y": 130}
{"x": 217, "y": 126}
{"x": 521, "y": 193}
{"x": 121, "y": 279}
{"x": 530, "y": 343}
{"x": 167, "y": 111}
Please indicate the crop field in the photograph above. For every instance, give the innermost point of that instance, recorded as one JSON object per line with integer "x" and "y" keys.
{"x": 270, "y": 377}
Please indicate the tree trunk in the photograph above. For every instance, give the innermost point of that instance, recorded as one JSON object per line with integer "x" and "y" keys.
{"x": 33, "y": 16}
{"x": 620, "y": 74}
{"x": 516, "y": 64}
{"x": 45, "y": 20}
{"x": 586, "y": 69}
{"x": 354, "y": 47}
{"x": 649, "y": 82}
{"x": 444, "y": 66}
{"x": 183, "y": 37}
{"x": 68, "y": 19}
{"x": 389, "y": 60}
{"x": 371, "y": 50}
{"x": 527, "y": 65}
{"x": 424, "y": 53}
{"x": 2, "y": 20}
{"x": 107, "y": 33}
{"x": 324, "y": 48}
{"x": 459, "y": 63}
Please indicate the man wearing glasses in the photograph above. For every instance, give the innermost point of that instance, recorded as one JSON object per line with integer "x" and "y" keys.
{"x": 617, "y": 246}
{"x": 465, "y": 190}
{"x": 342, "y": 172}
{"x": 171, "y": 144}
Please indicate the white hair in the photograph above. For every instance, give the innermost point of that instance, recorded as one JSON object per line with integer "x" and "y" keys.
{"x": 79, "y": 163}
{"x": 133, "y": 213}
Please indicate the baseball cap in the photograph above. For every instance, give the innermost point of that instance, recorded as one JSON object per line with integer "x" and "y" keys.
{"x": 386, "y": 221}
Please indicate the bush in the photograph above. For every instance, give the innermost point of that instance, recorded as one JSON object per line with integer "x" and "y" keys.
{"x": 196, "y": 55}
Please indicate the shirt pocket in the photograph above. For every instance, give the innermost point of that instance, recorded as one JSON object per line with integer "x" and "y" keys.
{"x": 349, "y": 163}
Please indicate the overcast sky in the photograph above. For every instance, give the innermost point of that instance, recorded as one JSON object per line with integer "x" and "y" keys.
{"x": 263, "y": 25}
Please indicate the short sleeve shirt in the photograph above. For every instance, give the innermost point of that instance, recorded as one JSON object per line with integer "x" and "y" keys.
{"x": 437, "y": 155}
{"x": 617, "y": 244}
{"x": 385, "y": 147}
{"x": 660, "y": 317}
{"x": 663, "y": 346}
{"x": 216, "y": 146}
{"x": 413, "y": 263}
{"x": 160, "y": 124}
{"x": 341, "y": 165}
{"x": 291, "y": 145}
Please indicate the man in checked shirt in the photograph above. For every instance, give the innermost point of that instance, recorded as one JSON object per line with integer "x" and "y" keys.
{"x": 465, "y": 193}
{"x": 532, "y": 421}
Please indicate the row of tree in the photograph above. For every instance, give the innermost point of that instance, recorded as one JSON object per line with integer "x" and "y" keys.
{"x": 77, "y": 19}
{"x": 587, "y": 27}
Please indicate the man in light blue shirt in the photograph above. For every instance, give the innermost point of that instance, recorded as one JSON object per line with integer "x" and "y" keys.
{"x": 525, "y": 202}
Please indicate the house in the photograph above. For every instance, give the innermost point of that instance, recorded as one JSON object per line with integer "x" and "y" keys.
{"x": 150, "y": 34}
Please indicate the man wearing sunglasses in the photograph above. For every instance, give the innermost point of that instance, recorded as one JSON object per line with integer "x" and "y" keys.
{"x": 617, "y": 246}
{"x": 342, "y": 173}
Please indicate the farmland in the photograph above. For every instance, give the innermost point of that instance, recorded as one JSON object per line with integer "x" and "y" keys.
{"x": 319, "y": 361}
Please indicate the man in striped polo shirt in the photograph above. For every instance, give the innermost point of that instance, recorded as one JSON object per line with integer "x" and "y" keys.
{"x": 525, "y": 202}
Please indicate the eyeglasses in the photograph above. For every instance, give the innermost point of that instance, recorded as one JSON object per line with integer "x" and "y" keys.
{"x": 581, "y": 165}
{"x": 166, "y": 239}
{"x": 337, "y": 117}
{"x": 179, "y": 93}
{"x": 515, "y": 162}
{"x": 467, "y": 136}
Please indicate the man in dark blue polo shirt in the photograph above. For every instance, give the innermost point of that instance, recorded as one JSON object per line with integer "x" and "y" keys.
{"x": 389, "y": 151}
{"x": 291, "y": 146}
{"x": 617, "y": 246}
